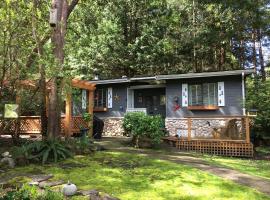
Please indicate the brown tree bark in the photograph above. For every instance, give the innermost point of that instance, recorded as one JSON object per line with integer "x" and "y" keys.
{"x": 42, "y": 80}
{"x": 261, "y": 55}
{"x": 58, "y": 40}
{"x": 254, "y": 59}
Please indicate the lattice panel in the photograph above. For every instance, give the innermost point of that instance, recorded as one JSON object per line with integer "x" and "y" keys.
{"x": 78, "y": 123}
{"x": 227, "y": 148}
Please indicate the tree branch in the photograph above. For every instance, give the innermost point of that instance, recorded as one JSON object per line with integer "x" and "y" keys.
{"x": 71, "y": 7}
{"x": 32, "y": 56}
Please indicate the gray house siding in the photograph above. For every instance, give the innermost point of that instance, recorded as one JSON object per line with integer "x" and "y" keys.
{"x": 233, "y": 97}
{"x": 118, "y": 106}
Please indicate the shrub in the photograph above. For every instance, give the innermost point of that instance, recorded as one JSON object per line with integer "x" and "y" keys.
{"x": 45, "y": 151}
{"x": 81, "y": 145}
{"x": 27, "y": 192}
{"x": 258, "y": 95}
{"x": 140, "y": 125}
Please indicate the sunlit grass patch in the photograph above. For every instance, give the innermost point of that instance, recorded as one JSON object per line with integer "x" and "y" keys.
{"x": 130, "y": 177}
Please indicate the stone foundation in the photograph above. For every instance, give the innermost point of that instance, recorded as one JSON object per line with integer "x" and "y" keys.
{"x": 113, "y": 127}
{"x": 201, "y": 128}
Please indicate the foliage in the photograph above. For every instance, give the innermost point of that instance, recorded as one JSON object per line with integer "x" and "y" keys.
{"x": 128, "y": 176}
{"x": 27, "y": 192}
{"x": 139, "y": 124}
{"x": 258, "y": 95}
{"x": 81, "y": 145}
{"x": 45, "y": 151}
{"x": 140, "y": 37}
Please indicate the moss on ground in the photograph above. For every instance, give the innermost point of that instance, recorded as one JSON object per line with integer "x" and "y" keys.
{"x": 129, "y": 176}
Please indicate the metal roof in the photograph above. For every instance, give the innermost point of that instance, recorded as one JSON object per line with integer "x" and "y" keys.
{"x": 174, "y": 76}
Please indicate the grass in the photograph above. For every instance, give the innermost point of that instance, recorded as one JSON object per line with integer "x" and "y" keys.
{"x": 131, "y": 177}
{"x": 260, "y": 168}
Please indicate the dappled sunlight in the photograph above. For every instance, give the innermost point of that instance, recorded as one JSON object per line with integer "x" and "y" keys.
{"x": 129, "y": 177}
{"x": 259, "y": 168}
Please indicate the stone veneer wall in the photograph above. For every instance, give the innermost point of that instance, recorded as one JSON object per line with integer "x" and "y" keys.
{"x": 200, "y": 128}
{"x": 113, "y": 126}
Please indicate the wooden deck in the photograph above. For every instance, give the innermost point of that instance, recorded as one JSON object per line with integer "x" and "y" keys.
{"x": 215, "y": 147}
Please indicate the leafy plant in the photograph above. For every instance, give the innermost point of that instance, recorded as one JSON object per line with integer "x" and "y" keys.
{"x": 140, "y": 125}
{"x": 44, "y": 151}
{"x": 27, "y": 192}
{"x": 81, "y": 145}
{"x": 258, "y": 95}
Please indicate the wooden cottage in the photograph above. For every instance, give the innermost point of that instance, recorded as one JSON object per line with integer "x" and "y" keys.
{"x": 203, "y": 111}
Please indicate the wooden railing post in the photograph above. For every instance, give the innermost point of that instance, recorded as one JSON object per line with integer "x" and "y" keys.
{"x": 189, "y": 129}
{"x": 247, "y": 130}
{"x": 90, "y": 110}
{"x": 68, "y": 116}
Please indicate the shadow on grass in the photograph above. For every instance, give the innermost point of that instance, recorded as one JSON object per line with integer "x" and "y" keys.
{"x": 129, "y": 176}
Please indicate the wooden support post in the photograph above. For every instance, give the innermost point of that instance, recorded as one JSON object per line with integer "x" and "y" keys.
{"x": 90, "y": 111}
{"x": 247, "y": 130}
{"x": 47, "y": 104}
{"x": 189, "y": 129}
{"x": 68, "y": 117}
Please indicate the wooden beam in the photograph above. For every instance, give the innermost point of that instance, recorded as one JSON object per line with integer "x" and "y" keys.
{"x": 83, "y": 84}
{"x": 247, "y": 130}
{"x": 68, "y": 116}
{"x": 189, "y": 128}
{"x": 90, "y": 111}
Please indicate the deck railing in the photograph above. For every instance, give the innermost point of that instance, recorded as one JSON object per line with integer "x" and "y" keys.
{"x": 32, "y": 125}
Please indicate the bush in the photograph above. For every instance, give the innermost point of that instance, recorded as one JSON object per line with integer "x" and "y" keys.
{"x": 44, "y": 151}
{"x": 258, "y": 95}
{"x": 81, "y": 145}
{"x": 27, "y": 192}
{"x": 140, "y": 125}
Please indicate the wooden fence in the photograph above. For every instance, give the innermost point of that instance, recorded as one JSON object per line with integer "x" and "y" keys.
{"x": 32, "y": 125}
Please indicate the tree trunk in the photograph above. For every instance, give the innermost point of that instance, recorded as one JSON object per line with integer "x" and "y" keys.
{"x": 261, "y": 55}
{"x": 58, "y": 40}
{"x": 42, "y": 80}
{"x": 254, "y": 59}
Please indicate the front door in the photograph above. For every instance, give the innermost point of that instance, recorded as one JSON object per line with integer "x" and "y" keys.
{"x": 151, "y": 99}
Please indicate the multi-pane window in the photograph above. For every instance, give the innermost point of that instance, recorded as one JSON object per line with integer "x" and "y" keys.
{"x": 203, "y": 94}
{"x": 100, "y": 98}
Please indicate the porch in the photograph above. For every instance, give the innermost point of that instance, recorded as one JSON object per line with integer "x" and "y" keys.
{"x": 224, "y": 135}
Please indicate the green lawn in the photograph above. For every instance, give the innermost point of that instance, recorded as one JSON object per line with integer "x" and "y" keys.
{"x": 259, "y": 168}
{"x": 133, "y": 177}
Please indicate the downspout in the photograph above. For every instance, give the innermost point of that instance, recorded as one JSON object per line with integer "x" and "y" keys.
{"x": 243, "y": 93}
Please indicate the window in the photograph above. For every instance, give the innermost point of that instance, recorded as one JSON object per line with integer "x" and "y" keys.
{"x": 100, "y": 98}
{"x": 203, "y": 94}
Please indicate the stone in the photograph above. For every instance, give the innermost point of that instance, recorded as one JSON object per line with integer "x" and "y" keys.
{"x": 69, "y": 189}
{"x": 33, "y": 183}
{"x": 41, "y": 177}
{"x": 89, "y": 192}
{"x": 108, "y": 197}
{"x": 9, "y": 161}
{"x": 45, "y": 184}
{"x": 113, "y": 126}
{"x": 6, "y": 154}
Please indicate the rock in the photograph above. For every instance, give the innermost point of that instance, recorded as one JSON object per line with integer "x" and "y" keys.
{"x": 9, "y": 161}
{"x": 6, "y": 154}
{"x": 41, "y": 177}
{"x": 108, "y": 197}
{"x": 69, "y": 189}
{"x": 44, "y": 184}
{"x": 89, "y": 192}
{"x": 33, "y": 183}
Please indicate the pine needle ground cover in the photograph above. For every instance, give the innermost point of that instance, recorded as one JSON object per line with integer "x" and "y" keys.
{"x": 128, "y": 176}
